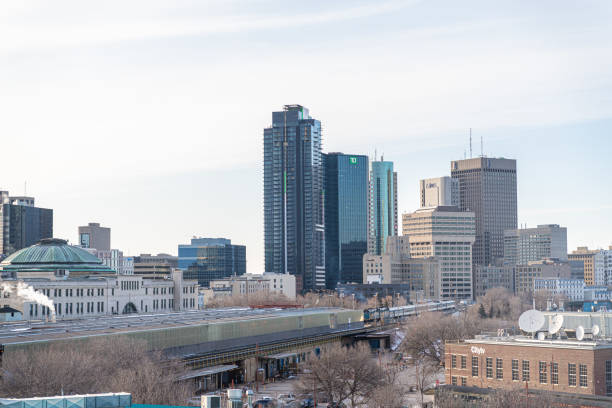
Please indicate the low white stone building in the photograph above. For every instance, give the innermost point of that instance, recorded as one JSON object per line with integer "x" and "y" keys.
{"x": 80, "y": 285}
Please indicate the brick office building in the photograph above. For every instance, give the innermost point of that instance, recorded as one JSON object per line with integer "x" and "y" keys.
{"x": 580, "y": 367}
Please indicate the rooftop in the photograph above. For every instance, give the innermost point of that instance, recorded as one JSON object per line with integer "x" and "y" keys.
{"x": 53, "y": 253}
{"x": 527, "y": 341}
{"x": 24, "y": 332}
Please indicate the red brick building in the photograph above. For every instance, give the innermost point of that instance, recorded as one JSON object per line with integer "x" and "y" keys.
{"x": 581, "y": 367}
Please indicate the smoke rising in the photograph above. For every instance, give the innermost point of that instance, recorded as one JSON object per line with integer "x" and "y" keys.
{"x": 27, "y": 293}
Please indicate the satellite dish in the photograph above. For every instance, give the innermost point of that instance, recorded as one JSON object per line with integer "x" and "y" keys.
{"x": 555, "y": 324}
{"x": 579, "y": 333}
{"x": 595, "y": 330}
{"x": 531, "y": 321}
{"x": 541, "y": 336}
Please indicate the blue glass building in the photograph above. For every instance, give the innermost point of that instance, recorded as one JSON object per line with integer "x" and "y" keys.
{"x": 207, "y": 259}
{"x": 383, "y": 206}
{"x": 294, "y": 234}
{"x": 346, "y": 217}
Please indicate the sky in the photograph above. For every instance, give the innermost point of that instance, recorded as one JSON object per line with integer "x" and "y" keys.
{"x": 147, "y": 115}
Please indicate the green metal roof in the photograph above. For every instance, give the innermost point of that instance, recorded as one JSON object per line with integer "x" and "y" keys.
{"x": 53, "y": 253}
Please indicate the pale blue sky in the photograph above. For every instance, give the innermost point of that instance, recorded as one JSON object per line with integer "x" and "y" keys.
{"x": 147, "y": 115}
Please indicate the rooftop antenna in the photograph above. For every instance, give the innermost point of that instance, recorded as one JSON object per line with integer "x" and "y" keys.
{"x": 375, "y": 155}
{"x": 481, "y": 149}
{"x": 470, "y": 143}
{"x": 25, "y": 188}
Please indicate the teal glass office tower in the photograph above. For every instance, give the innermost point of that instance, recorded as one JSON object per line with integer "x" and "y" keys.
{"x": 346, "y": 217}
{"x": 383, "y": 206}
{"x": 294, "y": 231}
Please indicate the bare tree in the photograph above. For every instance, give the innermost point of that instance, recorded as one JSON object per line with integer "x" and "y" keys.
{"x": 99, "y": 365}
{"x": 425, "y": 373}
{"x": 387, "y": 396}
{"x": 513, "y": 398}
{"x": 499, "y": 303}
{"x": 342, "y": 373}
{"x": 427, "y": 333}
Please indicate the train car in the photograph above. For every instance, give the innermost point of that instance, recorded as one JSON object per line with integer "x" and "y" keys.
{"x": 387, "y": 314}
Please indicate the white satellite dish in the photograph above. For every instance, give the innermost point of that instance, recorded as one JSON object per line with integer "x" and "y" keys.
{"x": 531, "y": 321}
{"x": 541, "y": 336}
{"x": 579, "y": 333}
{"x": 595, "y": 330}
{"x": 555, "y": 324}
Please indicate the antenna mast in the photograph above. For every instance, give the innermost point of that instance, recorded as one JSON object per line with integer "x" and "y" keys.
{"x": 470, "y": 143}
{"x": 481, "y": 150}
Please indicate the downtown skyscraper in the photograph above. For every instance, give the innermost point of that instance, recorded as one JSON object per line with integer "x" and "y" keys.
{"x": 487, "y": 186}
{"x": 346, "y": 217}
{"x": 382, "y": 217}
{"x": 294, "y": 231}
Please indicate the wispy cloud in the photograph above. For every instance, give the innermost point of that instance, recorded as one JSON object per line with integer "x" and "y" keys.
{"x": 19, "y": 33}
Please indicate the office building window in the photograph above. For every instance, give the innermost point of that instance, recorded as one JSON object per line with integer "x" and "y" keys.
{"x": 542, "y": 366}
{"x": 453, "y": 361}
{"x": 464, "y": 381}
{"x": 489, "y": 362}
{"x": 499, "y": 369}
{"x": 609, "y": 377}
{"x": 515, "y": 370}
{"x": 583, "y": 375}
{"x": 525, "y": 370}
{"x": 554, "y": 373}
{"x": 571, "y": 374}
{"x": 474, "y": 366}
{"x": 463, "y": 362}
{"x": 454, "y": 380}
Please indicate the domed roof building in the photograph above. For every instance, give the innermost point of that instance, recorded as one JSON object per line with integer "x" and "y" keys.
{"x": 53, "y": 257}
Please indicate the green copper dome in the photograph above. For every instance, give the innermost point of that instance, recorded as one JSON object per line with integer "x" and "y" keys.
{"x": 52, "y": 253}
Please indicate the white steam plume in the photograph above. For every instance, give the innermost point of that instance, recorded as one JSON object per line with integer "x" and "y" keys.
{"x": 27, "y": 293}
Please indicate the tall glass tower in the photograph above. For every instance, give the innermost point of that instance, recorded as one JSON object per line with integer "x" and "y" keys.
{"x": 346, "y": 217}
{"x": 383, "y": 206}
{"x": 294, "y": 231}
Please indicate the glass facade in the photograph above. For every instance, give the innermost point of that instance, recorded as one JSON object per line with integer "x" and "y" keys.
{"x": 294, "y": 234}
{"x": 346, "y": 217}
{"x": 383, "y": 206}
{"x": 22, "y": 226}
{"x": 207, "y": 259}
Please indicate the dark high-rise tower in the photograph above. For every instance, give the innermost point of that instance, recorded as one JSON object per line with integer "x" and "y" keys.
{"x": 294, "y": 232}
{"x": 346, "y": 217}
{"x": 21, "y": 223}
{"x": 487, "y": 186}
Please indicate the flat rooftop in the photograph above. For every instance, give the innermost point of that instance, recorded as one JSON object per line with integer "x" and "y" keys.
{"x": 23, "y": 332}
{"x": 526, "y": 341}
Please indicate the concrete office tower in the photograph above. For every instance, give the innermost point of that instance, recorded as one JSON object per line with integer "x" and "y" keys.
{"x": 441, "y": 191}
{"x": 382, "y": 221}
{"x": 533, "y": 244}
{"x": 207, "y": 259}
{"x": 294, "y": 231}
{"x": 487, "y": 186}
{"x": 21, "y": 223}
{"x": 93, "y": 235}
{"x": 587, "y": 256}
{"x": 346, "y": 217}
{"x": 448, "y": 235}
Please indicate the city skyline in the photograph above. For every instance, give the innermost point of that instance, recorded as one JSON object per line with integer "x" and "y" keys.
{"x": 535, "y": 88}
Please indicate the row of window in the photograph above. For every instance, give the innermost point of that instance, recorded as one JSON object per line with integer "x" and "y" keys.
{"x": 577, "y": 373}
